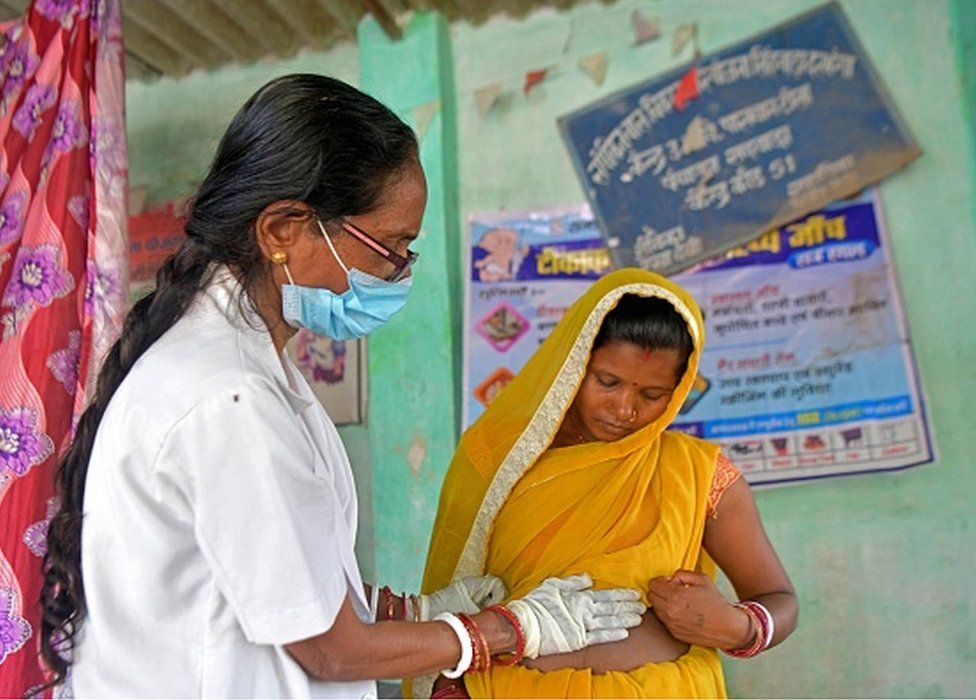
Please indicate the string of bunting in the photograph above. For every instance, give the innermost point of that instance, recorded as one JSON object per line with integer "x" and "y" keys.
{"x": 645, "y": 29}
{"x": 595, "y": 66}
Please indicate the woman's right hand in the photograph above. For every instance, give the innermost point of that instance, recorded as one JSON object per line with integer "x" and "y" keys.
{"x": 565, "y": 614}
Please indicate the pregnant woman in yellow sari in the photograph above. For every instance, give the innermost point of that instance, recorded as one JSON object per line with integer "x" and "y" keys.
{"x": 570, "y": 470}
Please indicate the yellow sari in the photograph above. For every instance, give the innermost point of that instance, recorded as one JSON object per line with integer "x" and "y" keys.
{"x": 623, "y": 511}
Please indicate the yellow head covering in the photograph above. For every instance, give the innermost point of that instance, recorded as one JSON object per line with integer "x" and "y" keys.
{"x": 521, "y": 422}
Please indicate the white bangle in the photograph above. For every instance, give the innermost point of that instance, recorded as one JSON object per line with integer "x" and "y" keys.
{"x": 374, "y": 602}
{"x": 770, "y": 625}
{"x": 467, "y": 653}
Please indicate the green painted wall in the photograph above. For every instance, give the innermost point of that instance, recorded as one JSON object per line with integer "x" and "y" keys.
{"x": 174, "y": 125}
{"x": 883, "y": 564}
{"x": 413, "y": 410}
{"x": 964, "y": 39}
{"x": 964, "y": 35}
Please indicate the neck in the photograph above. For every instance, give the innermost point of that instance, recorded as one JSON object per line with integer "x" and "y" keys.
{"x": 570, "y": 432}
{"x": 281, "y": 334}
{"x": 267, "y": 300}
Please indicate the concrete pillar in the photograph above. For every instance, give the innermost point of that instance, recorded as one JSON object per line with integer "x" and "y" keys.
{"x": 414, "y": 362}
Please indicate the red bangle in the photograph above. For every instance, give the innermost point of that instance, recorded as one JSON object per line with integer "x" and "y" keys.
{"x": 519, "y": 636}
{"x": 765, "y": 623}
{"x": 758, "y": 644}
{"x": 385, "y": 590}
{"x": 479, "y": 645}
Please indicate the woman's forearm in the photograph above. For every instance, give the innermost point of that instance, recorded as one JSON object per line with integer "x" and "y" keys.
{"x": 387, "y": 650}
{"x": 353, "y": 650}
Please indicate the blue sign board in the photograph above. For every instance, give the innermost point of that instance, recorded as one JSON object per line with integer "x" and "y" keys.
{"x": 685, "y": 166}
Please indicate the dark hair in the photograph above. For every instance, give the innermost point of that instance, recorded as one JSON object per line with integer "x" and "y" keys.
{"x": 303, "y": 137}
{"x": 650, "y": 323}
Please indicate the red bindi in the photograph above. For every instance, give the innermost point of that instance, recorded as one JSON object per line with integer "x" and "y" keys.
{"x": 646, "y": 354}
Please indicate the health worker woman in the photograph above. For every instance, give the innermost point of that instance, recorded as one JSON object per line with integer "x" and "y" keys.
{"x": 204, "y": 542}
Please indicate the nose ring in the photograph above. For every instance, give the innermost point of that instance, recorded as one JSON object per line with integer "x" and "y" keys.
{"x": 633, "y": 416}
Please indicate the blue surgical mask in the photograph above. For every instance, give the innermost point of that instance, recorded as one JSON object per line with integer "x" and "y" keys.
{"x": 368, "y": 303}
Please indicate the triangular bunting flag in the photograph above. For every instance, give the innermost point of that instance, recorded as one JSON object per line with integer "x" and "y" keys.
{"x": 485, "y": 97}
{"x": 595, "y": 66}
{"x": 687, "y": 89}
{"x": 695, "y": 137}
{"x": 644, "y": 29}
{"x": 533, "y": 78}
{"x": 682, "y": 35}
{"x": 423, "y": 115}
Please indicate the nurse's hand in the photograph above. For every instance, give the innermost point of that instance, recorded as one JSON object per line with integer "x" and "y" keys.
{"x": 565, "y": 614}
{"x": 469, "y": 595}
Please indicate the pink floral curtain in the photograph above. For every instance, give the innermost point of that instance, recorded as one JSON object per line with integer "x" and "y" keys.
{"x": 63, "y": 279}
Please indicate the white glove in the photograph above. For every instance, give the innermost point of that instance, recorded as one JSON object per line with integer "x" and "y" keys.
{"x": 469, "y": 595}
{"x": 561, "y": 615}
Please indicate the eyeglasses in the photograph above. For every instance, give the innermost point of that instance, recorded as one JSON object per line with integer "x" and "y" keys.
{"x": 401, "y": 263}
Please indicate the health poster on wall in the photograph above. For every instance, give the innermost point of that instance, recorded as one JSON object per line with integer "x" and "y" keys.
{"x": 808, "y": 369}
{"x": 684, "y": 166}
{"x": 524, "y": 269}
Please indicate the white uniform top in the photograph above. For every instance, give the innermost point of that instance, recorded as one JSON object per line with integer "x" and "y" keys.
{"x": 220, "y": 519}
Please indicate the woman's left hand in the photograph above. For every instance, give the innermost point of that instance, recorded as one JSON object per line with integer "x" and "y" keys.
{"x": 695, "y": 611}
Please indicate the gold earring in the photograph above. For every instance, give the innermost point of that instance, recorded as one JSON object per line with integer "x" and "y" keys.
{"x": 280, "y": 257}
